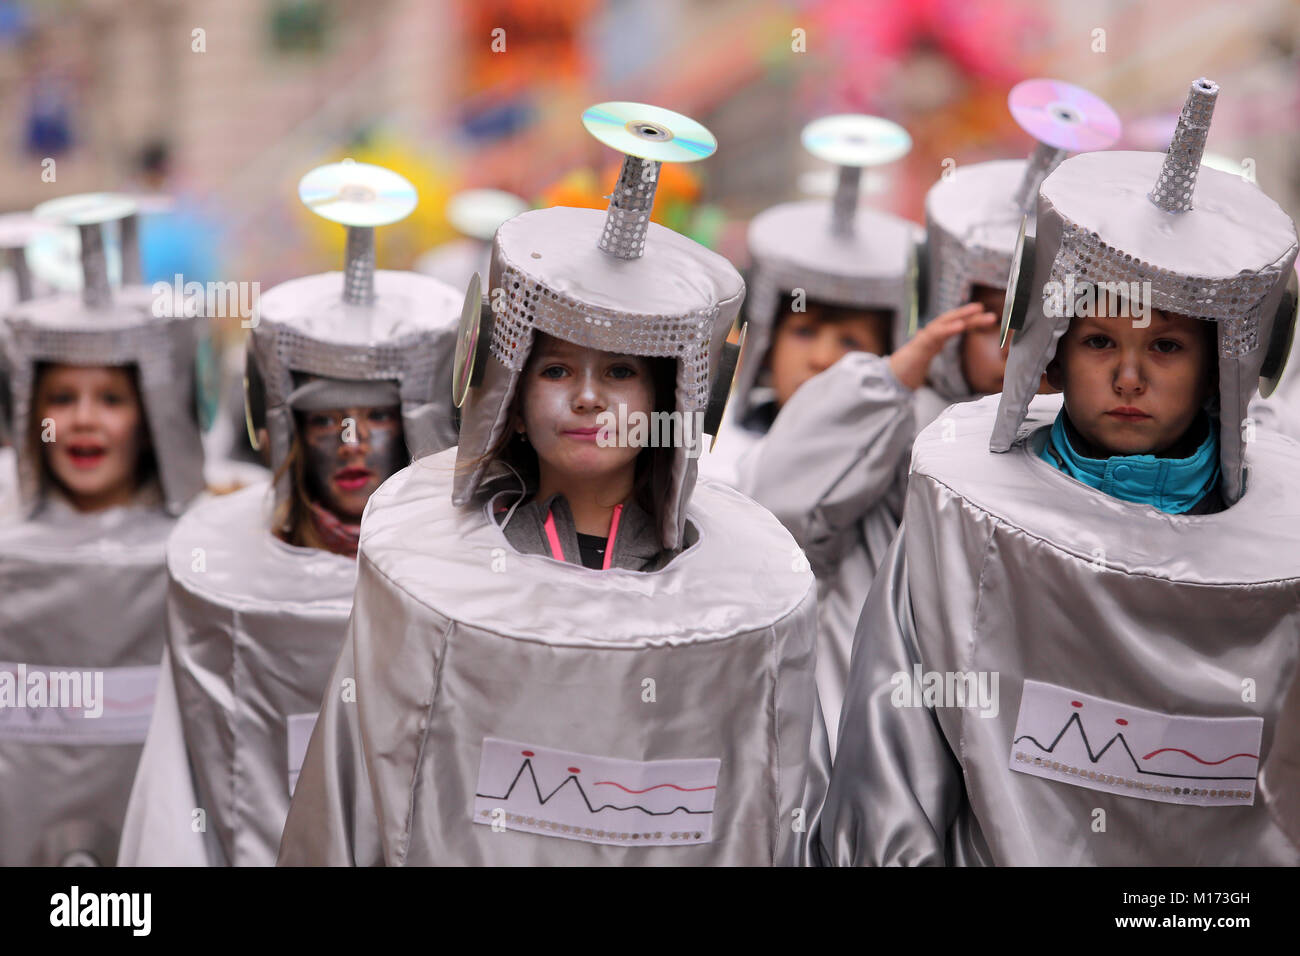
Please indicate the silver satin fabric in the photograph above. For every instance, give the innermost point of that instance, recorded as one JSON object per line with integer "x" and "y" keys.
{"x": 994, "y": 570}
{"x": 81, "y": 591}
{"x": 254, "y": 628}
{"x": 456, "y": 637}
{"x": 833, "y": 469}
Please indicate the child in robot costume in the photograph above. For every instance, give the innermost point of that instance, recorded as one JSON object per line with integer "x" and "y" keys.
{"x": 343, "y": 390}
{"x": 102, "y": 404}
{"x": 834, "y": 465}
{"x": 1094, "y": 616}
{"x": 563, "y": 649}
{"x": 828, "y": 277}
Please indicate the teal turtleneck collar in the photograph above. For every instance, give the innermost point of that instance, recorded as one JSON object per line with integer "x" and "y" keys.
{"x": 1172, "y": 485}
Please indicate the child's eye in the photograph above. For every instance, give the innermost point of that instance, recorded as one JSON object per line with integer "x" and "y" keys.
{"x": 320, "y": 420}
{"x": 804, "y": 330}
{"x": 1166, "y": 346}
{"x": 622, "y": 371}
{"x": 112, "y": 398}
{"x": 1097, "y": 341}
{"x": 382, "y": 415}
{"x": 61, "y": 398}
{"x": 553, "y": 371}
{"x": 852, "y": 344}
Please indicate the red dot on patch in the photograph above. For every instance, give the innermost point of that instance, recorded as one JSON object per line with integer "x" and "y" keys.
{"x": 1121, "y": 721}
{"x": 574, "y": 770}
{"x": 1076, "y": 703}
{"x": 526, "y": 753}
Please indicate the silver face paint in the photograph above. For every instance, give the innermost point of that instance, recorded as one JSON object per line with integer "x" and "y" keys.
{"x": 349, "y": 453}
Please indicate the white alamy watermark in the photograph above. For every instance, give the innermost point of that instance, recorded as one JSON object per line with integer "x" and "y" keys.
{"x": 213, "y": 300}
{"x": 75, "y": 908}
{"x": 42, "y": 688}
{"x": 624, "y": 429}
{"x": 946, "y": 689}
{"x": 1084, "y": 298}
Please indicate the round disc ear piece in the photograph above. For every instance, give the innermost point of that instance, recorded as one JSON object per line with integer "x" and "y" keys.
{"x": 1022, "y": 268}
{"x": 254, "y": 401}
{"x": 918, "y": 277}
{"x": 472, "y": 341}
{"x": 724, "y": 383}
{"x": 1280, "y": 338}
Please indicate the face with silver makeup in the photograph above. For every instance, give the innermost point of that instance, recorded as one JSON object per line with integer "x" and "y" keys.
{"x": 348, "y": 452}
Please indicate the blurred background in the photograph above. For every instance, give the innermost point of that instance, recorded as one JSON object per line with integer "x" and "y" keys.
{"x": 225, "y": 105}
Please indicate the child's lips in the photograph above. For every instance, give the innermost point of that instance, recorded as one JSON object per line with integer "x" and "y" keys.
{"x": 1128, "y": 413}
{"x": 582, "y": 434}
{"x": 350, "y": 479}
{"x": 86, "y": 456}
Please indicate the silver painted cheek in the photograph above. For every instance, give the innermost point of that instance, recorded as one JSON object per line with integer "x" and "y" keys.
{"x": 388, "y": 454}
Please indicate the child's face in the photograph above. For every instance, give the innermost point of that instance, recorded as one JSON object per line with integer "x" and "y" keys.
{"x": 349, "y": 453}
{"x": 565, "y": 387}
{"x": 983, "y": 356}
{"x": 1134, "y": 391}
{"x": 806, "y": 344}
{"x": 97, "y": 432}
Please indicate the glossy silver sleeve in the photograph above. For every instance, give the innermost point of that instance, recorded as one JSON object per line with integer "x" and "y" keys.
{"x": 510, "y": 709}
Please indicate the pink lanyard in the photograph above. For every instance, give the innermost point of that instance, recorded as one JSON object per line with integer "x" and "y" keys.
{"x": 557, "y": 552}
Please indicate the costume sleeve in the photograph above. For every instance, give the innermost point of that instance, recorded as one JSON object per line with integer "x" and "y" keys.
{"x": 895, "y": 788}
{"x": 161, "y": 827}
{"x": 332, "y": 819}
{"x": 834, "y": 451}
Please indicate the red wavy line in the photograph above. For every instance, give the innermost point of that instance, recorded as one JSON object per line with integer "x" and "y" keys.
{"x": 611, "y": 783}
{"x": 1208, "y": 763}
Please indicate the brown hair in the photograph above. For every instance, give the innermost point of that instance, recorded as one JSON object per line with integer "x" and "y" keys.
{"x": 292, "y": 521}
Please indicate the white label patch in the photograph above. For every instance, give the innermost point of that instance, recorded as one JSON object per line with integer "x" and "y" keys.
{"x": 68, "y": 705}
{"x": 577, "y": 796}
{"x": 298, "y": 728}
{"x": 1096, "y": 743}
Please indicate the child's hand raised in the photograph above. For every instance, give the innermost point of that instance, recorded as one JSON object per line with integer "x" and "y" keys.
{"x": 911, "y": 363}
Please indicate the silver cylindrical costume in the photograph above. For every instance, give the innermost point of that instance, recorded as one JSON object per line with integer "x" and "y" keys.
{"x": 514, "y": 709}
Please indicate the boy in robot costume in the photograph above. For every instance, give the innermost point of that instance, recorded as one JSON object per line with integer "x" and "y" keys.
{"x": 84, "y": 582}
{"x": 1143, "y": 653}
{"x": 824, "y": 252}
{"x": 256, "y": 614}
{"x": 539, "y": 711}
{"x": 834, "y": 466}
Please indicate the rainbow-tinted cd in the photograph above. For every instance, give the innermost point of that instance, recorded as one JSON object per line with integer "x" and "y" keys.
{"x": 357, "y": 194}
{"x": 478, "y": 213}
{"x": 85, "y": 209}
{"x": 1063, "y": 115}
{"x": 852, "y": 139}
{"x": 650, "y": 132}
